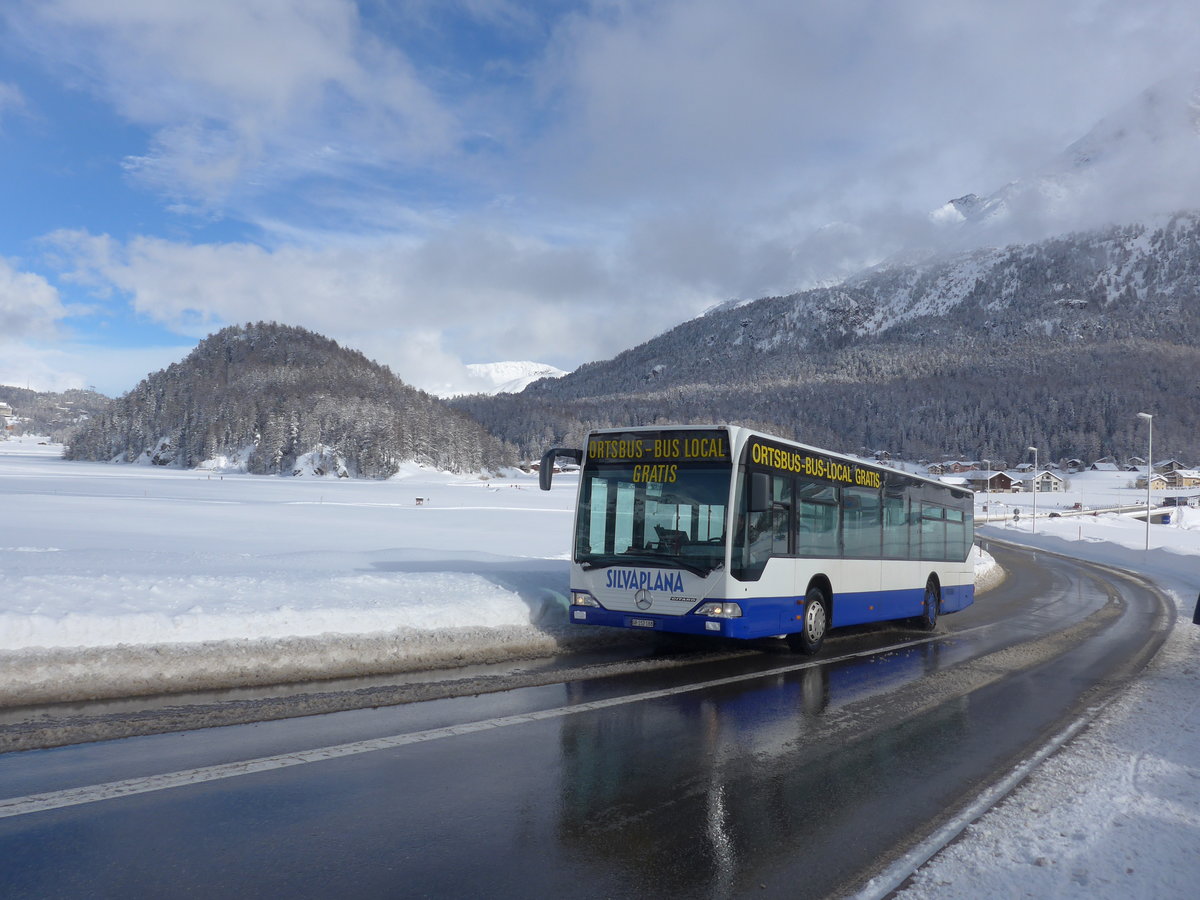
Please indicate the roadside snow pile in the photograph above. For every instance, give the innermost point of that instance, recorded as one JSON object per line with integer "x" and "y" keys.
{"x": 104, "y": 610}
{"x": 128, "y": 670}
{"x": 988, "y": 573}
{"x": 93, "y": 634}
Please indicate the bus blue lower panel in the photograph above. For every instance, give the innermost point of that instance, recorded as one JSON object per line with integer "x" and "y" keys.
{"x": 769, "y": 616}
{"x": 957, "y": 597}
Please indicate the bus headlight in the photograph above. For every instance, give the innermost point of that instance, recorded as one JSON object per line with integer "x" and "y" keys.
{"x": 721, "y": 609}
{"x": 583, "y": 598}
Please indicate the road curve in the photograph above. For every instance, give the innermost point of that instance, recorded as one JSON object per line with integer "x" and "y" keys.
{"x": 746, "y": 773}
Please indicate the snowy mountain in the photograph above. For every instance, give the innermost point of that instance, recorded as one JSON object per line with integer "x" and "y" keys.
{"x": 1139, "y": 161}
{"x": 1053, "y": 344}
{"x": 509, "y": 377}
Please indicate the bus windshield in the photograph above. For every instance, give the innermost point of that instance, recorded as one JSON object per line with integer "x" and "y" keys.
{"x": 625, "y": 518}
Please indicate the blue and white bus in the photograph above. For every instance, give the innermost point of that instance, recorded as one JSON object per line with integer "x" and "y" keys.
{"x": 723, "y": 530}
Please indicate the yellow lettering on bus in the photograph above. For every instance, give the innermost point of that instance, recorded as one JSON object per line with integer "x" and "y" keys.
{"x": 659, "y": 474}
{"x": 612, "y": 449}
{"x": 666, "y": 448}
{"x": 705, "y": 448}
{"x": 792, "y": 461}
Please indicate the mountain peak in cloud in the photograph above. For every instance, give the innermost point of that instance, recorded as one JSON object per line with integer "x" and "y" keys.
{"x": 1141, "y": 160}
{"x": 510, "y": 377}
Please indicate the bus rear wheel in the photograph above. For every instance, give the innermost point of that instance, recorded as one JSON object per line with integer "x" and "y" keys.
{"x": 808, "y": 639}
{"x": 928, "y": 619}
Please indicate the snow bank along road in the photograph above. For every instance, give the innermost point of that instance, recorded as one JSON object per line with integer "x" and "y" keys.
{"x": 131, "y": 580}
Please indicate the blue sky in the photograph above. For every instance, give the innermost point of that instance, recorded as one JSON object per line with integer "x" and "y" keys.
{"x": 441, "y": 183}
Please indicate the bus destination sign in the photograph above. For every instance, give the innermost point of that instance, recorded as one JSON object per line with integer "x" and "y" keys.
{"x": 802, "y": 462}
{"x": 659, "y": 447}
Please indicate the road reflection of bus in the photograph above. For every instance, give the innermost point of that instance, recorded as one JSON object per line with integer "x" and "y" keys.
{"x": 690, "y": 788}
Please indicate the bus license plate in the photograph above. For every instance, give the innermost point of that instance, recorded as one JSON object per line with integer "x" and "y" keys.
{"x": 642, "y": 623}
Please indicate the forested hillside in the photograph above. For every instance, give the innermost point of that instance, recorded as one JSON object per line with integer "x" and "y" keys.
{"x": 271, "y": 393}
{"x": 1056, "y": 345}
{"x": 54, "y": 414}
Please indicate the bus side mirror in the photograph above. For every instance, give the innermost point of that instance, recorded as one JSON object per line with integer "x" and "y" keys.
{"x": 760, "y": 492}
{"x": 546, "y": 469}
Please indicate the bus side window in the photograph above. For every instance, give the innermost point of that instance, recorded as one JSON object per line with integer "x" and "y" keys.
{"x": 862, "y": 526}
{"x": 895, "y": 524}
{"x": 933, "y": 531}
{"x": 816, "y": 518}
{"x": 957, "y": 543}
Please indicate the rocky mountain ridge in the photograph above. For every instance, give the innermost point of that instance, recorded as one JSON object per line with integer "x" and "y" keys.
{"x": 1054, "y": 344}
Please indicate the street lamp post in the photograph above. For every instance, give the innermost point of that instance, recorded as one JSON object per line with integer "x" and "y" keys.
{"x": 1034, "y": 482}
{"x": 986, "y": 484}
{"x": 1149, "y": 469}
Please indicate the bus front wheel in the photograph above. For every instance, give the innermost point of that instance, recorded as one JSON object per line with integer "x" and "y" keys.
{"x": 808, "y": 639}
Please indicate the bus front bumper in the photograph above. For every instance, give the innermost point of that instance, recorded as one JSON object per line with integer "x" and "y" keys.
{"x": 742, "y": 627}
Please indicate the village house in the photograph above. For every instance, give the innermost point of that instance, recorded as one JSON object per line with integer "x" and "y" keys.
{"x": 953, "y": 467}
{"x": 1157, "y": 483}
{"x": 992, "y": 482}
{"x": 1044, "y": 482}
{"x": 1168, "y": 465}
{"x": 1183, "y": 478}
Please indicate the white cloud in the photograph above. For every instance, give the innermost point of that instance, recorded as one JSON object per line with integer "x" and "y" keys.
{"x": 37, "y": 368}
{"x": 30, "y": 306}
{"x": 467, "y": 294}
{"x": 852, "y": 103}
{"x": 34, "y": 354}
{"x": 241, "y": 94}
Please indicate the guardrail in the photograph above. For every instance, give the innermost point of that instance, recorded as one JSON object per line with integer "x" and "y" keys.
{"x": 1137, "y": 511}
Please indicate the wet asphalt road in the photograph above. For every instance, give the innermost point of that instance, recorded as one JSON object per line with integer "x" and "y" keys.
{"x": 751, "y": 773}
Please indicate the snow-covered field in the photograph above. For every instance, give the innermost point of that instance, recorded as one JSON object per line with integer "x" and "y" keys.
{"x": 119, "y": 579}
{"x": 127, "y": 579}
